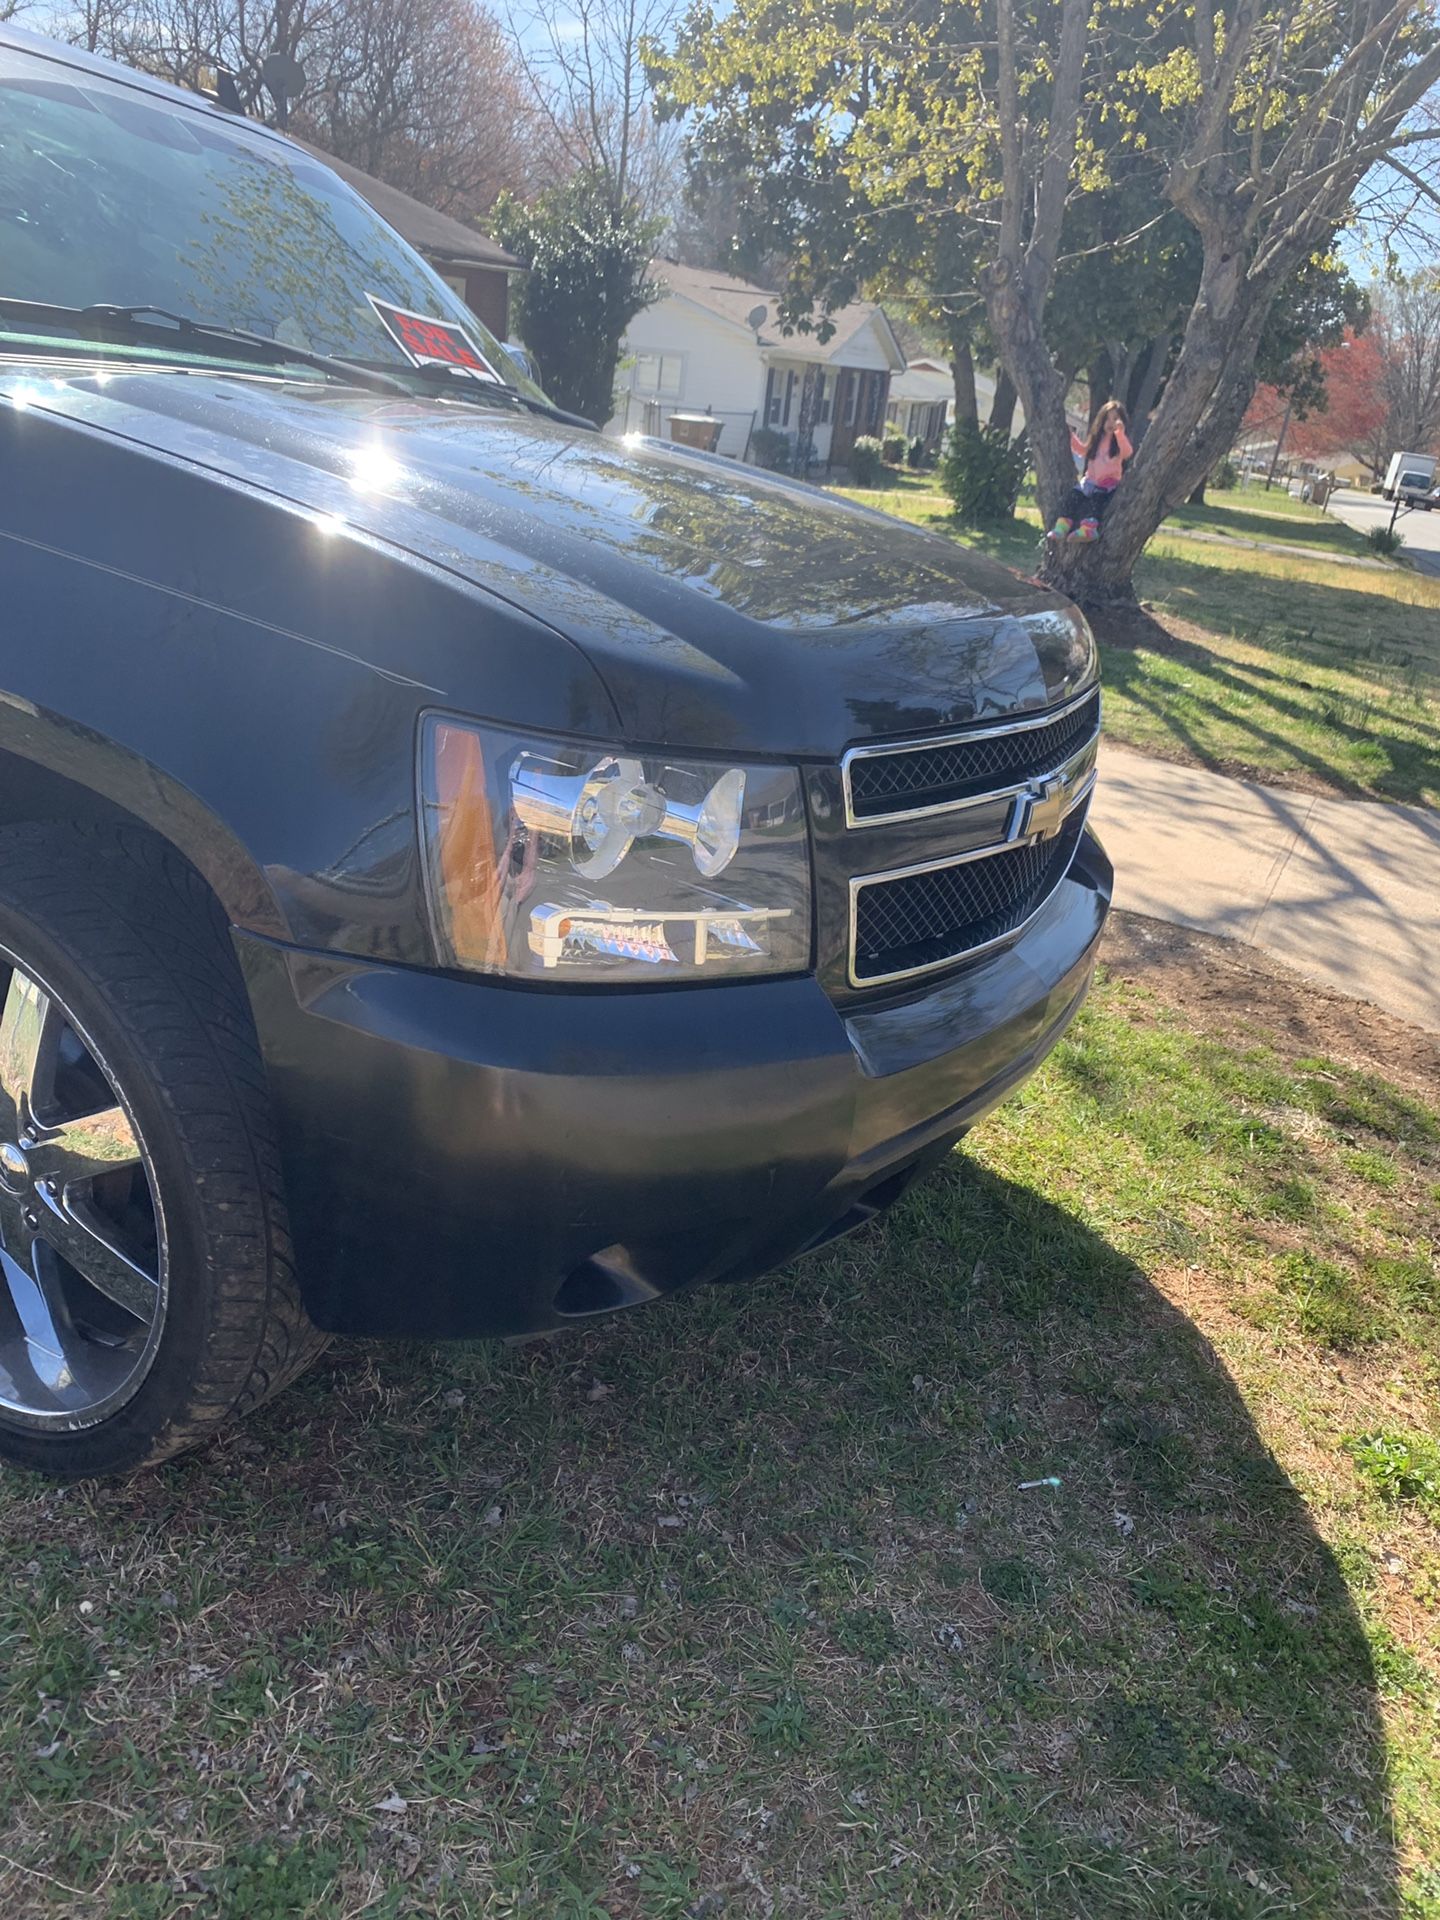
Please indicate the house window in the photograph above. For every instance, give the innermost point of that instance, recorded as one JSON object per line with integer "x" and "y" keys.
{"x": 658, "y": 373}
{"x": 852, "y": 399}
{"x": 789, "y": 397}
{"x": 822, "y": 400}
{"x": 772, "y": 399}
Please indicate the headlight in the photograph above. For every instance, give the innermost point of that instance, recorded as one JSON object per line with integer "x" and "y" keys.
{"x": 548, "y": 861}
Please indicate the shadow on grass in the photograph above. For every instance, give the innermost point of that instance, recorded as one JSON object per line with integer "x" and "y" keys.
{"x": 1251, "y": 522}
{"x": 738, "y": 1598}
{"x": 1395, "y": 766}
{"x": 1317, "y": 621}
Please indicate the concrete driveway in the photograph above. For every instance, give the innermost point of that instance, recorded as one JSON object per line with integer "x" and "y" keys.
{"x": 1421, "y": 530}
{"x": 1347, "y": 891}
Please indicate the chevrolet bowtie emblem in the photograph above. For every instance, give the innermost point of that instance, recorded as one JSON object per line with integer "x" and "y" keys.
{"x": 1042, "y": 810}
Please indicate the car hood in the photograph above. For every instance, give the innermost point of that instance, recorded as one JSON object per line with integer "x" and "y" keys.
{"x": 722, "y": 607}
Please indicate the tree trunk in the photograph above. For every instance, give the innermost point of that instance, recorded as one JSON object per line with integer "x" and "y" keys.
{"x": 1197, "y": 498}
{"x": 1205, "y": 399}
{"x": 1002, "y": 407}
{"x": 1100, "y": 379}
{"x": 1145, "y": 381}
{"x": 1102, "y": 575}
{"x": 1040, "y": 385}
{"x": 962, "y": 372}
{"x": 1122, "y": 363}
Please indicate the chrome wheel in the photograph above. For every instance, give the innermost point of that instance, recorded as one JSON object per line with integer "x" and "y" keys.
{"x": 82, "y": 1241}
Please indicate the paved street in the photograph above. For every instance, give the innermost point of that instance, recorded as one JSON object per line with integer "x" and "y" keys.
{"x": 1342, "y": 890}
{"x": 1421, "y": 530}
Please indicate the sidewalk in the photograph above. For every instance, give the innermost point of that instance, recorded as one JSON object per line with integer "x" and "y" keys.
{"x": 1346, "y": 891}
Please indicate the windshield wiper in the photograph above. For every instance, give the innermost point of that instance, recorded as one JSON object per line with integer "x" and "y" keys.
{"x": 457, "y": 380}
{"x": 144, "y": 325}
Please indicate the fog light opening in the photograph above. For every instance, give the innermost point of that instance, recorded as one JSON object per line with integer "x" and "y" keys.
{"x": 601, "y": 1284}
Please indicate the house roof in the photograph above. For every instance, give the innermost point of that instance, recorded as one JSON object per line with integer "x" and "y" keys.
{"x": 736, "y": 300}
{"x": 925, "y": 380}
{"x": 437, "y": 235}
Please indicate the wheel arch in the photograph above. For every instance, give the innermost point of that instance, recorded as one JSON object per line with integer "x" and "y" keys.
{"x": 84, "y": 780}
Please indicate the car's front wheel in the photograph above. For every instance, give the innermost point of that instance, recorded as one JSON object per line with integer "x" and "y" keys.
{"x": 146, "y": 1290}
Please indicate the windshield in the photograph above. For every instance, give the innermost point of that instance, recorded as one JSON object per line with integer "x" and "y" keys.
{"x": 111, "y": 194}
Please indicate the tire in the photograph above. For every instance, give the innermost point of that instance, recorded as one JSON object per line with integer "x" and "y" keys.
{"x": 148, "y": 1043}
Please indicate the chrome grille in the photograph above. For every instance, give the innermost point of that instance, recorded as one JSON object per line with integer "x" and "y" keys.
{"x": 999, "y": 813}
{"x": 891, "y": 783}
{"x": 912, "y": 922}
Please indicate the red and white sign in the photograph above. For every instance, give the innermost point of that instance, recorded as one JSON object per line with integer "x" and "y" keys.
{"x": 428, "y": 342}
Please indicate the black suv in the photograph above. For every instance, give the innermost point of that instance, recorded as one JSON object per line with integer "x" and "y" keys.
{"x": 525, "y": 873}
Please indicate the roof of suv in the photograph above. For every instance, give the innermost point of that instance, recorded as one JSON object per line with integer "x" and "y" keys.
{"x": 83, "y": 62}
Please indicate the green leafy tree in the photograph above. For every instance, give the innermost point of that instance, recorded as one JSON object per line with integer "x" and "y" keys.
{"x": 1138, "y": 181}
{"x": 587, "y": 260}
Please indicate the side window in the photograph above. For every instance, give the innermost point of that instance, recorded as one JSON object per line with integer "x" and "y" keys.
{"x": 658, "y": 373}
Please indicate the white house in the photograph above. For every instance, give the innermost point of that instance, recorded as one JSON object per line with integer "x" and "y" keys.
{"x": 713, "y": 346}
{"x": 922, "y": 400}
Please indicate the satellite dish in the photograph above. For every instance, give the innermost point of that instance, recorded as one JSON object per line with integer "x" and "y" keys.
{"x": 757, "y": 317}
{"x": 283, "y": 75}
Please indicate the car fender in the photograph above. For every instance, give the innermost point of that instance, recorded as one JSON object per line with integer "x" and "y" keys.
{"x": 248, "y": 683}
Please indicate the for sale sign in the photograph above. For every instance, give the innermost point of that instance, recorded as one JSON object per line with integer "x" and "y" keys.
{"x": 428, "y": 342}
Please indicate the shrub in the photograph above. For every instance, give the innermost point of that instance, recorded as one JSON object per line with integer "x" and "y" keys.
{"x": 771, "y": 449}
{"x": 867, "y": 461}
{"x": 982, "y": 469}
{"x": 588, "y": 278}
{"x": 894, "y": 447}
{"x": 1226, "y": 476}
{"x": 915, "y": 453}
{"x": 1384, "y": 539}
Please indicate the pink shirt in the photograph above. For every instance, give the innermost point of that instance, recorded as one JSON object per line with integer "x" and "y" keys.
{"x": 1105, "y": 469}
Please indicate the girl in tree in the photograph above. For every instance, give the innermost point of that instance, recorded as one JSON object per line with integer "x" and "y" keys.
{"x": 1104, "y": 454}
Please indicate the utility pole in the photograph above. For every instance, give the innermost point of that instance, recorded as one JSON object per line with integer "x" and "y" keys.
{"x": 1279, "y": 444}
{"x": 1395, "y": 511}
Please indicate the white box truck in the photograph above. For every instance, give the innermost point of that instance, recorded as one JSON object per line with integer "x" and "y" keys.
{"x": 1411, "y": 476}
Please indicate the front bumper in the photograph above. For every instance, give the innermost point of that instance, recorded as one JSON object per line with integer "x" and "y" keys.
{"x": 464, "y": 1157}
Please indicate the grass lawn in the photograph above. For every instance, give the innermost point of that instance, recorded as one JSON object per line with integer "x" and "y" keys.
{"x": 1250, "y": 513}
{"x": 1277, "y": 666}
{"x": 738, "y": 1606}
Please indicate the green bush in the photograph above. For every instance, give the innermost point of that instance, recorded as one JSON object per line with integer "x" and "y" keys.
{"x": 771, "y": 449}
{"x": 588, "y": 276}
{"x": 915, "y": 453}
{"x": 982, "y": 469}
{"x": 1384, "y": 539}
{"x": 867, "y": 461}
{"x": 894, "y": 447}
{"x": 1226, "y": 476}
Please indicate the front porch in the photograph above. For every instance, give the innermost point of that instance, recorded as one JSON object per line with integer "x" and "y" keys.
{"x": 822, "y": 410}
